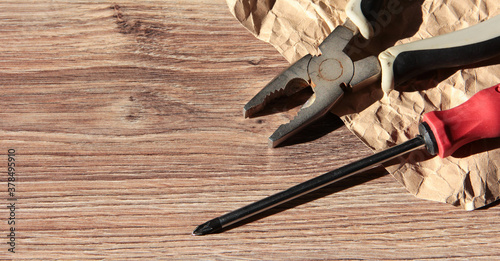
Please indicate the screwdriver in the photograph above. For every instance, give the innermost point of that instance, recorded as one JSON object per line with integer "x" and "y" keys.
{"x": 441, "y": 133}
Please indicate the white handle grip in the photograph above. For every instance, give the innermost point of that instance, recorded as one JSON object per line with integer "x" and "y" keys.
{"x": 363, "y": 13}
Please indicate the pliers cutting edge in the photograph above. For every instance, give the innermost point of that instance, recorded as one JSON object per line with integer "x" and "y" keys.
{"x": 333, "y": 72}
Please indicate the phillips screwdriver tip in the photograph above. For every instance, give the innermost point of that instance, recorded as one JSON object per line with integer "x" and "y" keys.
{"x": 207, "y": 228}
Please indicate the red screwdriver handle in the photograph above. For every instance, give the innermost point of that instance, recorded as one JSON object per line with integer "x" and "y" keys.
{"x": 477, "y": 118}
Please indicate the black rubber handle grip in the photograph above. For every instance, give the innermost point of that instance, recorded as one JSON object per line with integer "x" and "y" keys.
{"x": 371, "y": 9}
{"x": 467, "y": 46}
{"x": 412, "y": 63}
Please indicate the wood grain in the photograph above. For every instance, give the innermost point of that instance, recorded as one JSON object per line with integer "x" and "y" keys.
{"x": 126, "y": 119}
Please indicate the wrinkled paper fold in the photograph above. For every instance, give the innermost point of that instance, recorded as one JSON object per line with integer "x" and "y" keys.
{"x": 470, "y": 177}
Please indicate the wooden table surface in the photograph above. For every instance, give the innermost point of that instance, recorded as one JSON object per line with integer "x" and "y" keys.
{"x": 126, "y": 122}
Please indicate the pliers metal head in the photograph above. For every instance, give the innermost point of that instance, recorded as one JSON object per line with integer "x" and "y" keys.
{"x": 329, "y": 75}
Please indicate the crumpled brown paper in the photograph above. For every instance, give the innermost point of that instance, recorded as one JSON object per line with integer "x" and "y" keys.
{"x": 470, "y": 177}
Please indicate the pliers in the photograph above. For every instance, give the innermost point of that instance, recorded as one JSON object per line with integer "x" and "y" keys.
{"x": 333, "y": 72}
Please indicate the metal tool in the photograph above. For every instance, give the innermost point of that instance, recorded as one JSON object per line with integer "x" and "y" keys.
{"x": 440, "y": 133}
{"x": 333, "y": 73}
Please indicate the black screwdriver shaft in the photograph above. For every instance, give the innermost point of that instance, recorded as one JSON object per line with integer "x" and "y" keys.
{"x": 308, "y": 186}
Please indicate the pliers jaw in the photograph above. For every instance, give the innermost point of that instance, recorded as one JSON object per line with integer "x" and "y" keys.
{"x": 287, "y": 83}
{"x": 328, "y": 74}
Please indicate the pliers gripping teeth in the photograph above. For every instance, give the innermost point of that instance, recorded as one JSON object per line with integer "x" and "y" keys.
{"x": 334, "y": 72}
